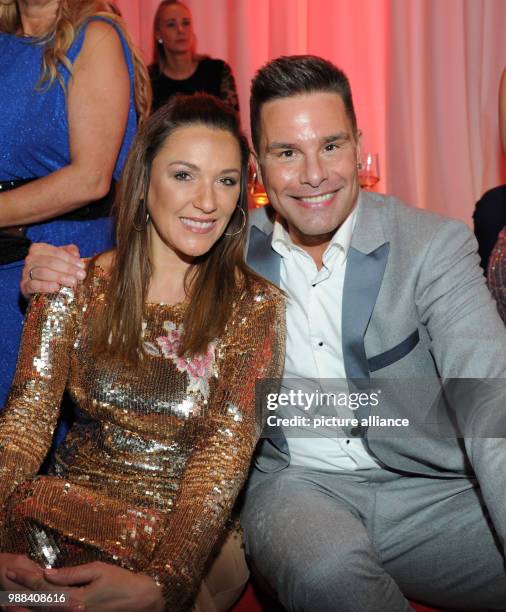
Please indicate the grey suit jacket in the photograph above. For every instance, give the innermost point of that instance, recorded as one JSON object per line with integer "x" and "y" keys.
{"x": 416, "y": 313}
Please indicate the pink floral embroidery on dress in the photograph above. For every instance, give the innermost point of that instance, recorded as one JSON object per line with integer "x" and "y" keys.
{"x": 199, "y": 368}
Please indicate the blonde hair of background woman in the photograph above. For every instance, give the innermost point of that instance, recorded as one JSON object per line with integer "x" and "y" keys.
{"x": 70, "y": 16}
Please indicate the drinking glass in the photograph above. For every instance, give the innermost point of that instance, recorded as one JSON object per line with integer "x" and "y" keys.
{"x": 257, "y": 190}
{"x": 368, "y": 173}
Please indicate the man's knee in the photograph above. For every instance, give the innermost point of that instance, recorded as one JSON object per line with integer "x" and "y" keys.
{"x": 317, "y": 569}
{"x": 338, "y": 570}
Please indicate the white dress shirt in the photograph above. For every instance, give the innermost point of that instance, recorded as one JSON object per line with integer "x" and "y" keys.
{"x": 314, "y": 346}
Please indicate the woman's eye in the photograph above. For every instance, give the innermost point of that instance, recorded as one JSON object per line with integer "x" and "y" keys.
{"x": 182, "y": 176}
{"x": 230, "y": 182}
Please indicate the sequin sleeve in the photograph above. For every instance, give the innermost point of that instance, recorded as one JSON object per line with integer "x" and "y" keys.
{"x": 218, "y": 466}
{"x": 228, "y": 91}
{"x": 29, "y": 417}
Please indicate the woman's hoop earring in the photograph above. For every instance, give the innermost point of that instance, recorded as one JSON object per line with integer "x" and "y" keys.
{"x": 142, "y": 227}
{"x": 242, "y": 226}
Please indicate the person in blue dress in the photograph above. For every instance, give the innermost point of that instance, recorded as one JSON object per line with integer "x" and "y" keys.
{"x": 73, "y": 90}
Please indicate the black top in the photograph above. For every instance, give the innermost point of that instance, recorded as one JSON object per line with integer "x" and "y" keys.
{"x": 212, "y": 76}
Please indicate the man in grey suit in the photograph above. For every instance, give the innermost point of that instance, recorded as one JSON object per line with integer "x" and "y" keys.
{"x": 392, "y": 300}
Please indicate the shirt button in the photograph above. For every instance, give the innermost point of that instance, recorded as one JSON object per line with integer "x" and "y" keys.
{"x": 347, "y": 441}
{"x": 313, "y": 285}
{"x": 320, "y": 343}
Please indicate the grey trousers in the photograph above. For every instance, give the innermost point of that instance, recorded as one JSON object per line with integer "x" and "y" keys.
{"x": 365, "y": 541}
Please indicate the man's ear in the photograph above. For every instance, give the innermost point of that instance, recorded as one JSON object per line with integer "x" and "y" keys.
{"x": 359, "y": 148}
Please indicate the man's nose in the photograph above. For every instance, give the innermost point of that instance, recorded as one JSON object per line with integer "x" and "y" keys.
{"x": 314, "y": 171}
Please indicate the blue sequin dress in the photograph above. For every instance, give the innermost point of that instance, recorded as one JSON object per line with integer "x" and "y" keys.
{"x": 34, "y": 142}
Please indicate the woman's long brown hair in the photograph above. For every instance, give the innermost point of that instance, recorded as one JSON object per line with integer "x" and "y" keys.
{"x": 215, "y": 276}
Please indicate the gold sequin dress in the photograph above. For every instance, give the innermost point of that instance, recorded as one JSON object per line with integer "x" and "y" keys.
{"x": 148, "y": 474}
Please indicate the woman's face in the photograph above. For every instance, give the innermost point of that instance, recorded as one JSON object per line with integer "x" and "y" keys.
{"x": 175, "y": 28}
{"x": 193, "y": 191}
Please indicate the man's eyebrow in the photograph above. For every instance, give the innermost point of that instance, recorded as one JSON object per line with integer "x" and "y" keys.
{"x": 339, "y": 136}
{"x": 343, "y": 136}
{"x": 281, "y": 145}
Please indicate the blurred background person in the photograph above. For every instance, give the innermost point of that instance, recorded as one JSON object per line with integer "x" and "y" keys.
{"x": 177, "y": 67}
{"x": 496, "y": 273}
{"x": 490, "y": 212}
{"x": 502, "y": 111}
{"x": 73, "y": 89}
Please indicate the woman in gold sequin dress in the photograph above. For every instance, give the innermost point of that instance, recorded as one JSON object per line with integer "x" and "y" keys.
{"x": 160, "y": 349}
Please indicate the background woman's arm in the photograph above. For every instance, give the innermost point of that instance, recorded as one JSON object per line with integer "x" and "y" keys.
{"x": 228, "y": 90}
{"x": 98, "y": 102}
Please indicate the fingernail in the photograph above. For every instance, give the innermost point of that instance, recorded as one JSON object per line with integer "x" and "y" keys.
{"x": 81, "y": 264}
{"x": 69, "y": 281}
{"x": 10, "y": 575}
{"x": 81, "y": 274}
{"x": 50, "y": 571}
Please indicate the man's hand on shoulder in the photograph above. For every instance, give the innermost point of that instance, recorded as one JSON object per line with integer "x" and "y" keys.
{"x": 47, "y": 268}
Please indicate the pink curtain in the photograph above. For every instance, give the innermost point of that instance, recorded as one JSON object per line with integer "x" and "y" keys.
{"x": 424, "y": 73}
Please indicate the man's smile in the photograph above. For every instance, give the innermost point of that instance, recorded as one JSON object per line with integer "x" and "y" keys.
{"x": 316, "y": 201}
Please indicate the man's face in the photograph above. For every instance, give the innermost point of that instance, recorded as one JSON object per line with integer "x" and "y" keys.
{"x": 308, "y": 159}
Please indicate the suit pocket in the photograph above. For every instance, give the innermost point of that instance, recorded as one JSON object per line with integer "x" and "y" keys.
{"x": 394, "y": 354}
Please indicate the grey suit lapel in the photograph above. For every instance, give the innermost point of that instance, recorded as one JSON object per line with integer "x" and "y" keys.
{"x": 365, "y": 266}
{"x": 266, "y": 262}
{"x": 261, "y": 257}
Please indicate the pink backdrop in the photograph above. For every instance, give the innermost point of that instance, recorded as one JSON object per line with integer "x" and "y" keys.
{"x": 425, "y": 77}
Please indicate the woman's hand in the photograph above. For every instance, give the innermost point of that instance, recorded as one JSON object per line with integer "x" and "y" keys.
{"x": 12, "y": 566}
{"x": 105, "y": 588}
